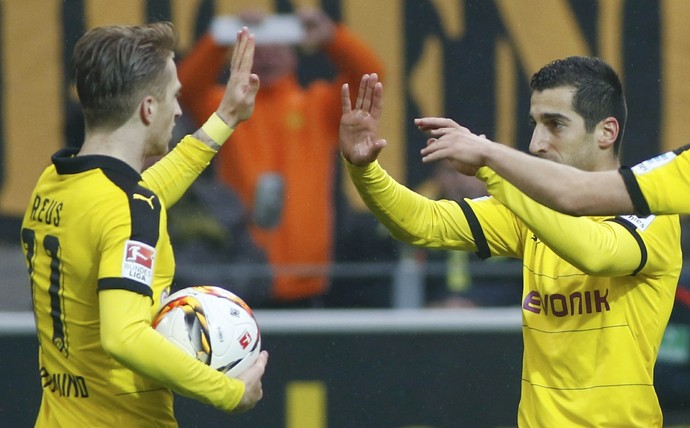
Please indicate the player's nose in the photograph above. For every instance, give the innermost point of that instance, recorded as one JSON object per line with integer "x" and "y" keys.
{"x": 539, "y": 142}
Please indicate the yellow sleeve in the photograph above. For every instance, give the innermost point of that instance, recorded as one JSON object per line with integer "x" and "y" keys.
{"x": 408, "y": 216}
{"x": 480, "y": 226}
{"x": 660, "y": 185}
{"x": 597, "y": 248}
{"x": 171, "y": 176}
{"x": 127, "y": 336}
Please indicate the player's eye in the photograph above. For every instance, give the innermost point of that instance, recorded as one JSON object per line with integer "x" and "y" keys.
{"x": 556, "y": 124}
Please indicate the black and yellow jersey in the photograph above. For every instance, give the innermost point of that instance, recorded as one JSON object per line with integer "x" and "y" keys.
{"x": 660, "y": 185}
{"x": 100, "y": 262}
{"x": 597, "y": 292}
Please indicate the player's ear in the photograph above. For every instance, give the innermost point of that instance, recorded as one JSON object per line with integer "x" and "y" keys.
{"x": 607, "y": 132}
{"x": 147, "y": 109}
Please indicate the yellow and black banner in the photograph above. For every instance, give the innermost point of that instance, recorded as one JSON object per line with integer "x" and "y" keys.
{"x": 467, "y": 59}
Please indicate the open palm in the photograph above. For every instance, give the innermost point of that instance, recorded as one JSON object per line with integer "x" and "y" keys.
{"x": 359, "y": 125}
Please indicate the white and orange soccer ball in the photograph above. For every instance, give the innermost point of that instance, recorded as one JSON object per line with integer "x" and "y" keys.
{"x": 213, "y": 325}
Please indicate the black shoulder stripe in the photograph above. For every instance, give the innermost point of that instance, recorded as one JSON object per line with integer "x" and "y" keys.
{"x": 145, "y": 208}
{"x": 124, "y": 284}
{"x": 483, "y": 251}
{"x": 680, "y": 150}
{"x": 633, "y": 231}
{"x": 144, "y": 205}
{"x": 639, "y": 202}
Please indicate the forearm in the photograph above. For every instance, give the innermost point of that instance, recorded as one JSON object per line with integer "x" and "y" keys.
{"x": 561, "y": 187}
{"x": 171, "y": 176}
{"x": 596, "y": 248}
{"x": 127, "y": 336}
{"x": 408, "y": 216}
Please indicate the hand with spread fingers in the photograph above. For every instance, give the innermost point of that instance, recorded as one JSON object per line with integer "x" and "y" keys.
{"x": 237, "y": 104}
{"x": 359, "y": 143}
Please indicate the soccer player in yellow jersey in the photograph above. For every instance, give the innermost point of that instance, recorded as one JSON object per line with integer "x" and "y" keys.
{"x": 96, "y": 242}
{"x": 597, "y": 291}
{"x": 659, "y": 185}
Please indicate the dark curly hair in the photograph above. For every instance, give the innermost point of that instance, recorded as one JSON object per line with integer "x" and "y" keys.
{"x": 598, "y": 90}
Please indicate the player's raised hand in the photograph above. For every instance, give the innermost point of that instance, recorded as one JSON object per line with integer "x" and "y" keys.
{"x": 238, "y": 100}
{"x": 359, "y": 125}
{"x": 449, "y": 140}
{"x": 253, "y": 392}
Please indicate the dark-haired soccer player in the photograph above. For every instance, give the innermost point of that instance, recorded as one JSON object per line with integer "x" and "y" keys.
{"x": 597, "y": 292}
{"x": 659, "y": 185}
{"x": 96, "y": 242}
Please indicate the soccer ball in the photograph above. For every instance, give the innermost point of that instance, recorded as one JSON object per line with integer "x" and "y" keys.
{"x": 213, "y": 325}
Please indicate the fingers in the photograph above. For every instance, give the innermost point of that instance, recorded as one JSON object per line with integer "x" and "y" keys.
{"x": 254, "y": 84}
{"x": 243, "y": 55}
{"x": 361, "y": 92}
{"x": 437, "y": 153}
{"x": 262, "y": 359}
{"x": 430, "y": 123}
{"x": 369, "y": 96}
{"x": 436, "y": 149}
{"x": 377, "y": 103}
{"x": 432, "y": 145}
{"x": 237, "y": 52}
{"x": 369, "y": 92}
{"x": 440, "y": 132}
{"x": 345, "y": 102}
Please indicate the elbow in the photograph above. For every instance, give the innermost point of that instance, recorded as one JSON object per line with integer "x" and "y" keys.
{"x": 112, "y": 346}
{"x": 117, "y": 346}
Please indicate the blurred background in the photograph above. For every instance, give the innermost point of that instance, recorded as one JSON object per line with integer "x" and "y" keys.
{"x": 435, "y": 340}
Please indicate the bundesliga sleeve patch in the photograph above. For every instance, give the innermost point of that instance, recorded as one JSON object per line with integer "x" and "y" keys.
{"x": 641, "y": 223}
{"x": 137, "y": 263}
{"x": 653, "y": 163}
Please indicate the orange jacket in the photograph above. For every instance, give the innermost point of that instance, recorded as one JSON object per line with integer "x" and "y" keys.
{"x": 293, "y": 131}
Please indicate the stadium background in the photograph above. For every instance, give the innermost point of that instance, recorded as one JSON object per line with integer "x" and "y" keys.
{"x": 470, "y": 60}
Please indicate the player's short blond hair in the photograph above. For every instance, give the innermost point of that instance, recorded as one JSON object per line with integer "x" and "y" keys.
{"x": 115, "y": 66}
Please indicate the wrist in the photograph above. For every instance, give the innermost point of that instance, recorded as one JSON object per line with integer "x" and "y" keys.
{"x": 217, "y": 129}
{"x": 491, "y": 155}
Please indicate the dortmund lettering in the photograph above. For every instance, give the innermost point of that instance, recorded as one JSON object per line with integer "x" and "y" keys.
{"x": 65, "y": 384}
{"x": 561, "y": 305}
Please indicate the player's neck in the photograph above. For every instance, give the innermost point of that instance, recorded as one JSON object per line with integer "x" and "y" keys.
{"x": 606, "y": 165}
{"x": 122, "y": 144}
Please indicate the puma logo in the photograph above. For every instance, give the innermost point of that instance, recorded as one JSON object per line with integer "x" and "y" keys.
{"x": 148, "y": 200}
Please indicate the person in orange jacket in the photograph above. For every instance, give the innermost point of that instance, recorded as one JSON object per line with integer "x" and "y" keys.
{"x": 264, "y": 161}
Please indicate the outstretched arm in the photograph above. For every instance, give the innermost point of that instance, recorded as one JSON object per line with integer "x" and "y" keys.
{"x": 409, "y": 216}
{"x": 561, "y": 187}
{"x": 170, "y": 177}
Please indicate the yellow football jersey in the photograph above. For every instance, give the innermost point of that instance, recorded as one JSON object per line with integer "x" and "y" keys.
{"x": 660, "y": 185}
{"x": 597, "y": 293}
{"x": 93, "y": 225}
